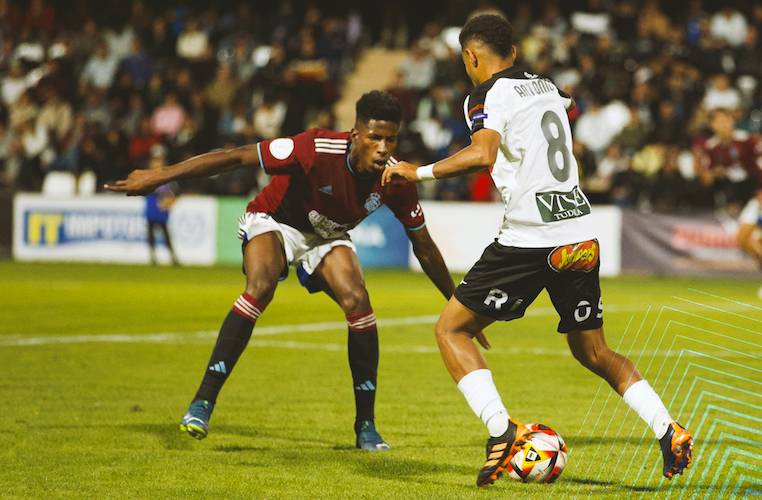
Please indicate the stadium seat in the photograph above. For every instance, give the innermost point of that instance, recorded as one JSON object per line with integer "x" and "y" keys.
{"x": 59, "y": 184}
{"x": 87, "y": 183}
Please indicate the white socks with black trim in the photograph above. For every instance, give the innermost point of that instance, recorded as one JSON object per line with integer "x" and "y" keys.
{"x": 483, "y": 398}
{"x": 642, "y": 398}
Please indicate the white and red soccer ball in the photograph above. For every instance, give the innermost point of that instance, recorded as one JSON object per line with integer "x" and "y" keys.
{"x": 541, "y": 458}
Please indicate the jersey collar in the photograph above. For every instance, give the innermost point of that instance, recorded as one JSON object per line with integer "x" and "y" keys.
{"x": 354, "y": 172}
{"x": 512, "y": 72}
{"x": 349, "y": 162}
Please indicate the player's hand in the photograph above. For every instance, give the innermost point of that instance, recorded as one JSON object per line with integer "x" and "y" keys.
{"x": 401, "y": 169}
{"x": 139, "y": 182}
{"x": 482, "y": 339}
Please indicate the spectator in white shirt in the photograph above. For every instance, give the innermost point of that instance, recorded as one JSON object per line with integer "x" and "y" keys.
{"x": 14, "y": 84}
{"x": 192, "y": 44}
{"x": 100, "y": 69}
{"x": 720, "y": 95}
{"x": 17, "y": 82}
{"x": 268, "y": 117}
{"x": 56, "y": 115}
{"x": 598, "y": 125}
{"x": 730, "y": 26}
{"x": 120, "y": 42}
{"x": 418, "y": 69}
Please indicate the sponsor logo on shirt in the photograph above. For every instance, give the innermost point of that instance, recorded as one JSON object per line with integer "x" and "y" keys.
{"x": 575, "y": 257}
{"x": 327, "y": 228}
{"x": 556, "y": 206}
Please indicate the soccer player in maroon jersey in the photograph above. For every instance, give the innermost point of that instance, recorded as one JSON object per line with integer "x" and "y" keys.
{"x": 731, "y": 160}
{"x": 323, "y": 184}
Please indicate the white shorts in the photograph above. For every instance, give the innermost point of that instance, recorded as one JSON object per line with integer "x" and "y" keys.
{"x": 303, "y": 250}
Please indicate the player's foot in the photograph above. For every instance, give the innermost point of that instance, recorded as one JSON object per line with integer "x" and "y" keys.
{"x": 196, "y": 420}
{"x": 499, "y": 452}
{"x": 676, "y": 448}
{"x": 368, "y": 437}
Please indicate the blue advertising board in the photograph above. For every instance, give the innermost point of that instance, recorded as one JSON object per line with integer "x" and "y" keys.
{"x": 381, "y": 240}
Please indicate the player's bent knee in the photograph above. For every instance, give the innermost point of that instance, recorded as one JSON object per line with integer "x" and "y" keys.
{"x": 594, "y": 358}
{"x": 443, "y": 330}
{"x": 354, "y": 300}
{"x": 262, "y": 290}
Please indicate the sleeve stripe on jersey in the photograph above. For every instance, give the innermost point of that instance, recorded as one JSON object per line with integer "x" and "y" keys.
{"x": 259, "y": 153}
{"x": 332, "y": 151}
{"x": 417, "y": 228}
{"x": 330, "y": 146}
{"x": 331, "y": 141}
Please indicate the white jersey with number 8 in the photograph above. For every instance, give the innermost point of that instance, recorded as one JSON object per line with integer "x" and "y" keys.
{"x": 535, "y": 170}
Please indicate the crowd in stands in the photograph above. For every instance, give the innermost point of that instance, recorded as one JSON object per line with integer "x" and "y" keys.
{"x": 107, "y": 87}
{"x": 668, "y": 94}
{"x": 668, "y": 98}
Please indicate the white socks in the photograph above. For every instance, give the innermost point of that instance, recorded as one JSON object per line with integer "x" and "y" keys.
{"x": 483, "y": 398}
{"x": 642, "y": 398}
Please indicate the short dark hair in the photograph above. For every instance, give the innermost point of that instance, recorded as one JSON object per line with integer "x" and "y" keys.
{"x": 378, "y": 105}
{"x": 490, "y": 29}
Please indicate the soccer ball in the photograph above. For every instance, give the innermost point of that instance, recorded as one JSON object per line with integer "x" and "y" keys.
{"x": 541, "y": 459}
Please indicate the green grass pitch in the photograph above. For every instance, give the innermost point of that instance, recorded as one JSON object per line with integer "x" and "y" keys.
{"x": 100, "y": 362}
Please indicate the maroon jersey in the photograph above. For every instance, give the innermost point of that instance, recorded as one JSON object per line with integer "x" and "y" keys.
{"x": 314, "y": 188}
{"x": 743, "y": 151}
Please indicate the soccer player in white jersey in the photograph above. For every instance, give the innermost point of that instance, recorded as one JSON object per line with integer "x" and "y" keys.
{"x": 520, "y": 132}
{"x": 749, "y": 223}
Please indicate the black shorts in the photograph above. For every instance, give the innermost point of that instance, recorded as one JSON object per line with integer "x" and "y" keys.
{"x": 506, "y": 280}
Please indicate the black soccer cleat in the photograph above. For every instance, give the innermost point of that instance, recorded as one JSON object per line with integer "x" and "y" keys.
{"x": 676, "y": 448}
{"x": 499, "y": 452}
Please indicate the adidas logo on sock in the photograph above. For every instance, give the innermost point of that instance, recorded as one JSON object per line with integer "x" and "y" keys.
{"x": 219, "y": 368}
{"x": 366, "y": 386}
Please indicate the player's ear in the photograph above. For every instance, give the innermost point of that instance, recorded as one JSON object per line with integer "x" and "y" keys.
{"x": 471, "y": 56}
{"x": 514, "y": 52}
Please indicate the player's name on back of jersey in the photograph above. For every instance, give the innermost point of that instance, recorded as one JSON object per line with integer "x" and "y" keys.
{"x": 534, "y": 87}
{"x": 559, "y": 205}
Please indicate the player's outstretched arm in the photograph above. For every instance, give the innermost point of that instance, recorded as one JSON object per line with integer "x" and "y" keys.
{"x": 142, "y": 182}
{"x": 432, "y": 263}
{"x": 479, "y": 155}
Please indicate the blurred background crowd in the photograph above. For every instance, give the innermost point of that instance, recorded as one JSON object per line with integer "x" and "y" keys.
{"x": 669, "y": 97}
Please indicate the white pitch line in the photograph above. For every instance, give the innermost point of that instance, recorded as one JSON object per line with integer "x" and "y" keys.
{"x": 18, "y": 340}
{"x": 336, "y": 347}
{"x": 21, "y": 340}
